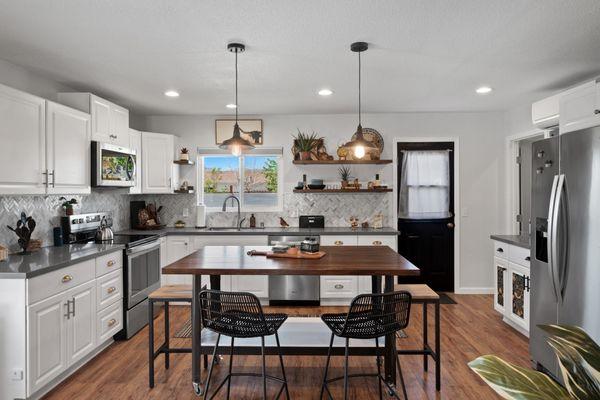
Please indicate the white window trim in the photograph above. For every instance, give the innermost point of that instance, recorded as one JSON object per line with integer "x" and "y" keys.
{"x": 277, "y": 153}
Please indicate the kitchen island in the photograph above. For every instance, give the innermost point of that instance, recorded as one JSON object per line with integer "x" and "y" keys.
{"x": 217, "y": 261}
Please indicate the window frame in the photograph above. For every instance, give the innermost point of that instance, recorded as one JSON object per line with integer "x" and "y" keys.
{"x": 243, "y": 208}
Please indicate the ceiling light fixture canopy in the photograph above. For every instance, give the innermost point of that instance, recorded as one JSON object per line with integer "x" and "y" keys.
{"x": 236, "y": 144}
{"x": 359, "y": 145}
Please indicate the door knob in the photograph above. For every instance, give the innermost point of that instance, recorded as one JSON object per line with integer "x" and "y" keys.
{"x": 450, "y": 225}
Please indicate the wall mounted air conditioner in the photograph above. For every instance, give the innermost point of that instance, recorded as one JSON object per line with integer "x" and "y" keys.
{"x": 544, "y": 113}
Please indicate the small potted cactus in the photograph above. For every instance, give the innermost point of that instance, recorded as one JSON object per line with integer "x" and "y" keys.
{"x": 184, "y": 154}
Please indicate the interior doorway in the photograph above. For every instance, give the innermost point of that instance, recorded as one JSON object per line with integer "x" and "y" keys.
{"x": 425, "y": 209}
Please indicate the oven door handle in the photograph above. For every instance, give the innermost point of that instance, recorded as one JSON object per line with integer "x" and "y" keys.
{"x": 145, "y": 248}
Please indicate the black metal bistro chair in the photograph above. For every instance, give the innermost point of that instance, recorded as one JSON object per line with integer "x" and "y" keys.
{"x": 240, "y": 315}
{"x": 371, "y": 316}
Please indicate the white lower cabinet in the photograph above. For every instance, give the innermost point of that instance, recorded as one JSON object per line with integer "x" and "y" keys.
{"x": 62, "y": 330}
{"x": 109, "y": 322}
{"x": 512, "y": 285}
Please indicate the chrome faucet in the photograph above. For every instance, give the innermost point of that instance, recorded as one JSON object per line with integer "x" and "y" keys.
{"x": 239, "y": 221}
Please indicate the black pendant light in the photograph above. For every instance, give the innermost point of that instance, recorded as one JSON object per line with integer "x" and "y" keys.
{"x": 236, "y": 144}
{"x": 359, "y": 145}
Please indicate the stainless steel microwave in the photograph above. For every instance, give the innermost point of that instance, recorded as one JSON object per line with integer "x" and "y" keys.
{"x": 113, "y": 166}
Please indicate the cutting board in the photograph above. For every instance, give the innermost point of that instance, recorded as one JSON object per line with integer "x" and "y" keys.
{"x": 299, "y": 255}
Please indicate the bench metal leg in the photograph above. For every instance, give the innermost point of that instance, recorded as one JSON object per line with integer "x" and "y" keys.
{"x": 438, "y": 363}
{"x": 167, "y": 334}
{"x": 425, "y": 336}
{"x": 151, "y": 343}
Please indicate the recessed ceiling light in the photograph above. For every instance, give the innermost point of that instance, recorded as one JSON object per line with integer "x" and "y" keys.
{"x": 325, "y": 92}
{"x": 171, "y": 93}
{"x": 483, "y": 90}
{"x": 231, "y": 105}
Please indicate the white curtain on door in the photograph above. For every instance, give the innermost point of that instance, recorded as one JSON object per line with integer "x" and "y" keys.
{"x": 424, "y": 184}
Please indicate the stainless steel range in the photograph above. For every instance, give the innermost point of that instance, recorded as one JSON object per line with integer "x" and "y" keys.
{"x": 141, "y": 266}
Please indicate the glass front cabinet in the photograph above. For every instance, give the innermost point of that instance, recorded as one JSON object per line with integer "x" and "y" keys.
{"x": 500, "y": 284}
{"x": 518, "y": 294}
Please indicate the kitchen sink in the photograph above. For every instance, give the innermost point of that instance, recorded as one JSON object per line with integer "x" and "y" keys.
{"x": 231, "y": 228}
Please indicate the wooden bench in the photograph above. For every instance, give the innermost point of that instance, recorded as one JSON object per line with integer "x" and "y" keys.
{"x": 165, "y": 295}
{"x": 423, "y": 294}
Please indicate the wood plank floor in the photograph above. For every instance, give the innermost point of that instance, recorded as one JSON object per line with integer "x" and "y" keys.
{"x": 469, "y": 329}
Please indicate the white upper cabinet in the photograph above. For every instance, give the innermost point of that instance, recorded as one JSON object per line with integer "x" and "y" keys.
{"x": 68, "y": 133}
{"x": 580, "y": 107}
{"x": 110, "y": 122}
{"x": 135, "y": 143}
{"x": 157, "y": 162}
{"x": 23, "y": 149}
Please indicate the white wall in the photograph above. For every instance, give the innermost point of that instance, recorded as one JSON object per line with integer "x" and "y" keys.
{"x": 20, "y": 78}
{"x": 481, "y": 145}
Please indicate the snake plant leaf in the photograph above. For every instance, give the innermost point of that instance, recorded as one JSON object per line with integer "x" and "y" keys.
{"x": 516, "y": 383}
{"x": 579, "y": 360}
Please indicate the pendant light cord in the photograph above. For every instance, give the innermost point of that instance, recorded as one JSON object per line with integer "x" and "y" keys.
{"x": 236, "y": 87}
{"x": 359, "y": 105}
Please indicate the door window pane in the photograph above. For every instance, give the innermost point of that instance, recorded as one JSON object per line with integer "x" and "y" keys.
{"x": 260, "y": 181}
{"x": 220, "y": 173}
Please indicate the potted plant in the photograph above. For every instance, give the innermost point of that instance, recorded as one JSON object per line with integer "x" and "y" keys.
{"x": 304, "y": 144}
{"x": 344, "y": 175}
{"x": 579, "y": 359}
{"x": 67, "y": 205}
{"x": 184, "y": 154}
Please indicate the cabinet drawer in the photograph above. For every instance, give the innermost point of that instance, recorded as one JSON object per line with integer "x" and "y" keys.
{"x": 335, "y": 287}
{"x": 501, "y": 249}
{"x": 44, "y": 286}
{"x": 519, "y": 255}
{"x": 109, "y": 263}
{"x": 109, "y": 288}
{"x": 110, "y": 321}
{"x": 372, "y": 240}
{"x": 343, "y": 240}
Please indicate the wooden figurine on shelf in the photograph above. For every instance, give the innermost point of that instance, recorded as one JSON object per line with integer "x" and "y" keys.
{"x": 353, "y": 222}
{"x": 283, "y": 223}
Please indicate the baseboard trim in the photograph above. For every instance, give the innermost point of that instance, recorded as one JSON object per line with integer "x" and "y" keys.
{"x": 474, "y": 290}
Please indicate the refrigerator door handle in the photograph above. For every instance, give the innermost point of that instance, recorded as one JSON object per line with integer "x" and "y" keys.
{"x": 552, "y": 236}
{"x": 560, "y": 260}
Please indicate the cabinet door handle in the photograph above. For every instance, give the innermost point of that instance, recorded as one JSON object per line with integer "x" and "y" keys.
{"x": 377, "y": 243}
{"x": 339, "y": 286}
{"x": 527, "y": 258}
{"x": 73, "y": 311}
{"x": 500, "y": 250}
{"x": 111, "y": 289}
{"x": 66, "y": 279}
{"x": 527, "y": 282}
{"x": 338, "y": 243}
{"x": 596, "y": 111}
{"x": 68, "y": 305}
{"x": 110, "y": 263}
{"x": 111, "y": 322}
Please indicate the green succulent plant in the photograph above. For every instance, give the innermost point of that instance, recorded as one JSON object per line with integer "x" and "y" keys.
{"x": 344, "y": 172}
{"x": 579, "y": 360}
{"x": 305, "y": 142}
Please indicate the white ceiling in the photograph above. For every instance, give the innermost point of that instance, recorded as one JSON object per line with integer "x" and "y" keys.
{"x": 424, "y": 55}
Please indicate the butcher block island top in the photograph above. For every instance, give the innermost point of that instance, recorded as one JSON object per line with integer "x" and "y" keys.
{"x": 339, "y": 260}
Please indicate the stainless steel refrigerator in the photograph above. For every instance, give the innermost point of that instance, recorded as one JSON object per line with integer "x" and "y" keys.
{"x": 565, "y": 266}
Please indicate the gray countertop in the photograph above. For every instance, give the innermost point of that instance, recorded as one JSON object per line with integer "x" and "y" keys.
{"x": 515, "y": 240}
{"x": 294, "y": 231}
{"x": 48, "y": 259}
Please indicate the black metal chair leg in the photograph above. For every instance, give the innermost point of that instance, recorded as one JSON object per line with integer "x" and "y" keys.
{"x": 230, "y": 368}
{"x": 346, "y": 370}
{"x": 264, "y": 367}
{"x": 212, "y": 364}
{"x": 326, "y": 367}
{"x": 287, "y": 392}
{"x": 401, "y": 378}
{"x": 151, "y": 343}
{"x": 378, "y": 369}
{"x": 167, "y": 334}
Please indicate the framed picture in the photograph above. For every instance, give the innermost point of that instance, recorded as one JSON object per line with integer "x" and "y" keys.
{"x": 250, "y": 129}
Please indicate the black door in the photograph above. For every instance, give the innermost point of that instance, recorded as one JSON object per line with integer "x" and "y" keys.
{"x": 426, "y": 217}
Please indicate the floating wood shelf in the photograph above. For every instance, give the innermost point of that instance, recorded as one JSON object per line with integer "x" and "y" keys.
{"x": 342, "y": 191}
{"x": 183, "y": 191}
{"x": 183, "y": 162}
{"x": 336, "y": 162}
